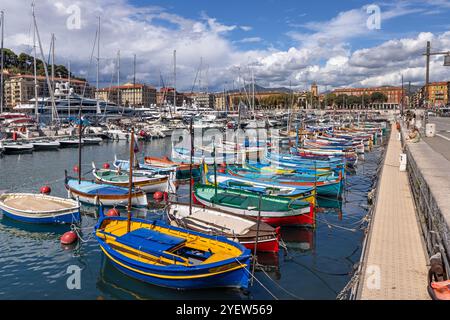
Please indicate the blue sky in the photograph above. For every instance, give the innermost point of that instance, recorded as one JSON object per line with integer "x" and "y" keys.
{"x": 283, "y": 42}
{"x": 272, "y": 20}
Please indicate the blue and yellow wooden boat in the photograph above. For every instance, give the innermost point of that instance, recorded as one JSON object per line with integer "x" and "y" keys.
{"x": 163, "y": 255}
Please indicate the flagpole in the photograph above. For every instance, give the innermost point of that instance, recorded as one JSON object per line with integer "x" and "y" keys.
{"x": 130, "y": 179}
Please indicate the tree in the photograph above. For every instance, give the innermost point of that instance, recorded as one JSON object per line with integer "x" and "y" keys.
{"x": 330, "y": 99}
{"x": 378, "y": 97}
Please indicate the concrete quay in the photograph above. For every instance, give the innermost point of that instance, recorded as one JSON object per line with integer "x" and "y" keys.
{"x": 394, "y": 261}
{"x": 428, "y": 163}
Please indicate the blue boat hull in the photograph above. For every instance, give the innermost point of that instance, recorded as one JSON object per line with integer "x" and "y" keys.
{"x": 235, "y": 279}
{"x": 70, "y": 217}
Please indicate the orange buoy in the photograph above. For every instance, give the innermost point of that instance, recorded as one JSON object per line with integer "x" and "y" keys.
{"x": 45, "y": 190}
{"x": 69, "y": 237}
{"x": 75, "y": 168}
{"x": 106, "y": 165}
{"x": 158, "y": 196}
{"x": 113, "y": 212}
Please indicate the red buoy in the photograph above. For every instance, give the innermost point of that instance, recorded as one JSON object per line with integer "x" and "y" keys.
{"x": 106, "y": 165}
{"x": 142, "y": 133}
{"x": 158, "y": 196}
{"x": 75, "y": 168}
{"x": 221, "y": 170}
{"x": 69, "y": 237}
{"x": 113, "y": 212}
{"x": 45, "y": 190}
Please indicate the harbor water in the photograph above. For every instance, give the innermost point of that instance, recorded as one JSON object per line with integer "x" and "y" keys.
{"x": 316, "y": 264}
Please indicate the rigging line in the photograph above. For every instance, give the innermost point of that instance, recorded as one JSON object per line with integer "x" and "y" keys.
{"x": 280, "y": 286}
{"x": 254, "y": 277}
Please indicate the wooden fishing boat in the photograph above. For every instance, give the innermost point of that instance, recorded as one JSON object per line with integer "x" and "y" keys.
{"x": 218, "y": 222}
{"x": 275, "y": 211}
{"x": 163, "y": 255}
{"x": 329, "y": 185}
{"x": 149, "y": 184}
{"x": 182, "y": 169}
{"x": 39, "y": 208}
{"x": 90, "y": 192}
{"x": 141, "y": 168}
{"x": 228, "y": 181}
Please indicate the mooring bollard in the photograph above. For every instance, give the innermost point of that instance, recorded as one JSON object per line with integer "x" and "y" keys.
{"x": 430, "y": 130}
{"x": 402, "y": 161}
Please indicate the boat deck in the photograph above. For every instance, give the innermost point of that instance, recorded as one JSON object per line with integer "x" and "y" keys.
{"x": 395, "y": 262}
{"x": 36, "y": 204}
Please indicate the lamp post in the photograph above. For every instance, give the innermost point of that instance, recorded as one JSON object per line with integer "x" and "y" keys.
{"x": 428, "y": 54}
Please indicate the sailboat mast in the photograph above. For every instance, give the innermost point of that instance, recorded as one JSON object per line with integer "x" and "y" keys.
{"x": 68, "y": 93}
{"x": 130, "y": 180}
{"x": 53, "y": 60}
{"x": 80, "y": 133}
{"x": 190, "y": 165}
{"x": 174, "y": 80}
{"x": 36, "y": 111}
{"x": 98, "y": 64}
{"x": 118, "y": 77}
{"x": 2, "y": 61}
{"x": 134, "y": 82}
{"x": 50, "y": 87}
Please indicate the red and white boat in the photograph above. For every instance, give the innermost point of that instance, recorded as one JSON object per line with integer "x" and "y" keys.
{"x": 218, "y": 222}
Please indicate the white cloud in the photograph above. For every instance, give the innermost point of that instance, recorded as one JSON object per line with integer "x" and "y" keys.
{"x": 322, "y": 54}
{"x": 250, "y": 40}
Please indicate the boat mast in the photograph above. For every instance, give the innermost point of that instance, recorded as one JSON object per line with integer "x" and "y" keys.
{"x": 36, "y": 111}
{"x": 191, "y": 181}
{"x": 174, "y": 81}
{"x": 50, "y": 87}
{"x": 118, "y": 77}
{"x": 134, "y": 82}
{"x": 53, "y": 59}
{"x": 80, "y": 133}
{"x": 2, "y": 60}
{"x": 68, "y": 93}
{"x": 130, "y": 179}
{"x": 98, "y": 65}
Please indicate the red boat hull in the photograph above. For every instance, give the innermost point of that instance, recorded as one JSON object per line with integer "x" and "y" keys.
{"x": 265, "y": 246}
{"x": 306, "y": 220}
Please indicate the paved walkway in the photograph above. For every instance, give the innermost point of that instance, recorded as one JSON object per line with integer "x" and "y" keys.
{"x": 395, "y": 260}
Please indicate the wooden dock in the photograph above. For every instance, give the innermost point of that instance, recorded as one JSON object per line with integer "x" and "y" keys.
{"x": 395, "y": 259}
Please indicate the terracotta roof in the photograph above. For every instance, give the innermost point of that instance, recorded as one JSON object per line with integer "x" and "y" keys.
{"x": 30, "y": 76}
{"x": 126, "y": 86}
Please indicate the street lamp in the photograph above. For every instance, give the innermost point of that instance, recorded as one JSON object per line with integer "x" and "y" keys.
{"x": 428, "y": 54}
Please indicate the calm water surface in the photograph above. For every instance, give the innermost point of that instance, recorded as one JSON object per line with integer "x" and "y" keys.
{"x": 33, "y": 265}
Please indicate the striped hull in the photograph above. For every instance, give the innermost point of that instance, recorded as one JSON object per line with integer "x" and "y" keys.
{"x": 300, "y": 217}
{"x": 64, "y": 217}
{"x": 139, "y": 199}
